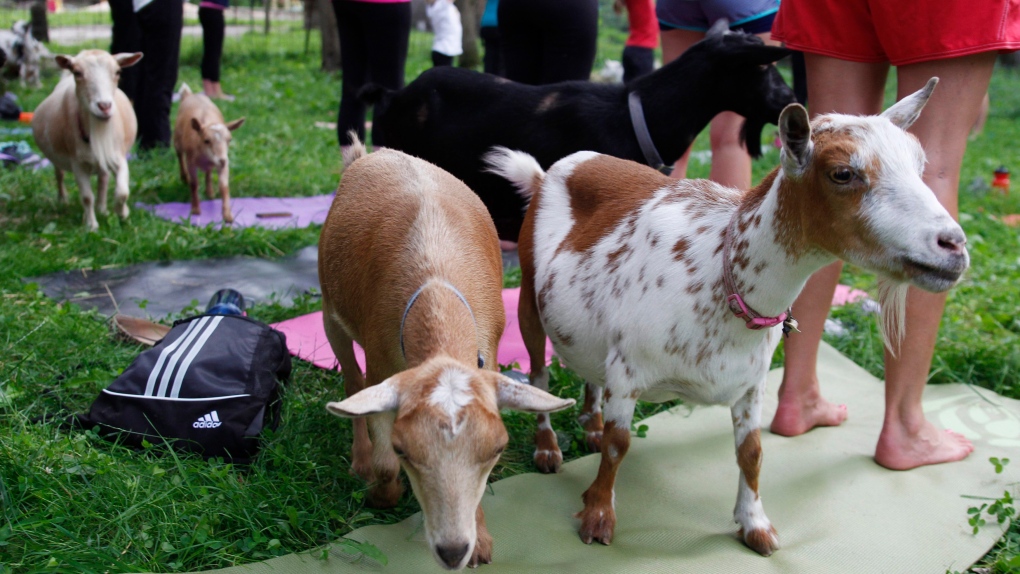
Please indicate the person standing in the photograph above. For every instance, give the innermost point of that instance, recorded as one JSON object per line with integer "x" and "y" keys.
{"x": 548, "y": 41}
{"x": 488, "y": 29}
{"x": 152, "y": 27}
{"x": 448, "y": 32}
{"x": 639, "y": 50}
{"x": 374, "y": 35}
{"x": 849, "y": 46}
{"x": 684, "y": 23}
{"x": 210, "y": 15}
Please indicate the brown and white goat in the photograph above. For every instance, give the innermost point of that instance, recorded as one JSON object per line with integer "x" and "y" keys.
{"x": 202, "y": 142}
{"x": 410, "y": 268}
{"x": 653, "y": 289}
{"x": 86, "y": 126}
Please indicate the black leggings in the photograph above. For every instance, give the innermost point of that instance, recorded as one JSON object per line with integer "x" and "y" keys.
{"x": 548, "y": 41}
{"x": 212, "y": 42}
{"x": 373, "y": 48}
{"x": 155, "y": 30}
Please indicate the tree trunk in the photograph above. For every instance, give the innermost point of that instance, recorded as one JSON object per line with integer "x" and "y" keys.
{"x": 269, "y": 10}
{"x": 330, "y": 36}
{"x": 470, "y": 17}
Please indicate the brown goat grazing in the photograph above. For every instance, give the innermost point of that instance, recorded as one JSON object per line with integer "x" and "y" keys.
{"x": 86, "y": 126}
{"x": 202, "y": 140}
{"x": 411, "y": 269}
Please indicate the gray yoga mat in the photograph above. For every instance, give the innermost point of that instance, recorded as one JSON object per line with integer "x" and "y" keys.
{"x": 835, "y": 509}
{"x": 170, "y": 286}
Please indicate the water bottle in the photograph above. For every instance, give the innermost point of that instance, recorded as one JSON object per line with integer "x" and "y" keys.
{"x": 226, "y": 302}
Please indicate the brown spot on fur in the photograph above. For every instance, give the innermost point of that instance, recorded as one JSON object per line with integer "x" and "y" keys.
{"x": 749, "y": 459}
{"x": 695, "y": 287}
{"x": 564, "y": 338}
{"x": 660, "y": 280}
{"x": 680, "y": 249}
{"x": 603, "y": 191}
{"x": 616, "y": 258}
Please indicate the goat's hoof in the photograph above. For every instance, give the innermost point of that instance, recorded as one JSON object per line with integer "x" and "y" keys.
{"x": 548, "y": 461}
{"x": 593, "y": 441}
{"x": 764, "y": 541}
{"x": 483, "y": 551}
{"x": 384, "y": 495}
{"x": 228, "y": 218}
{"x": 196, "y": 211}
{"x": 597, "y": 525}
{"x": 123, "y": 211}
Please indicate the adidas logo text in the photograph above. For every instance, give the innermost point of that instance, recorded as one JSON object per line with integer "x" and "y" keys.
{"x": 209, "y": 421}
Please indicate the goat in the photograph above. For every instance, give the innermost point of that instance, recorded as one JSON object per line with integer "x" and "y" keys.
{"x": 202, "y": 140}
{"x": 23, "y": 52}
{"x": 453, "y": 116}
{"x": 410, "y": 268}
{"x": 86, "y": 126}
{"x": 637, "y": 278}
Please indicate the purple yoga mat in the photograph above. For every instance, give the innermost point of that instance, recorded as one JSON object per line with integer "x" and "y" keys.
{"x": 300, "y": 211}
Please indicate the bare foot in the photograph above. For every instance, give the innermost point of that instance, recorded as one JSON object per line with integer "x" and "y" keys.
{"x": 797, "y": 415}
{"x": 899, "y": 449}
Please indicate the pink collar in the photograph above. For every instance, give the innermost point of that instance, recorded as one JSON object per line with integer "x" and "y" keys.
{"x": 752, "y": 319}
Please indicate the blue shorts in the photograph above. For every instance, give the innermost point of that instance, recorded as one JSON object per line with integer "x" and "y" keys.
{"x": 750, "y": 16}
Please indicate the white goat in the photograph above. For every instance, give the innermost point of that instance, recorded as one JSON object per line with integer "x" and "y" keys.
{"x": 24, "y": 52}
{"x": 653, "y": 289}
{"x": 410, "y": 268}
{"x": 86, "y": 126}
{"x": 202, "y": 142}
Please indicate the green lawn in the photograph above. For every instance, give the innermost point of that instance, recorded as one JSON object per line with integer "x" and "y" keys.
{"x": 73, "y": 503}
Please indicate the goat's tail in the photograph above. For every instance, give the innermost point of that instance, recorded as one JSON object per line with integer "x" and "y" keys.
{"x": 185, "y": 91}
{"x": 519, "y": 168}
{"x": 353, "y": 152}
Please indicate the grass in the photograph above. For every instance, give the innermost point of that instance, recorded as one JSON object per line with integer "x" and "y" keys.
{"x": 70, "y": 502}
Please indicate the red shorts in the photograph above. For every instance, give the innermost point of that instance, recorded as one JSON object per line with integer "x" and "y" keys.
{"x": 898, "y": 32}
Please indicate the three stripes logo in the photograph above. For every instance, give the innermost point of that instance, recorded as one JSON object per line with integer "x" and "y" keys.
{"x": 207, "y": 421}
{"x": 175, "y": 359}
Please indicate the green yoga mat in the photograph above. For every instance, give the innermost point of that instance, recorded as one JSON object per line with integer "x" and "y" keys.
{"x": 835, "y": 509}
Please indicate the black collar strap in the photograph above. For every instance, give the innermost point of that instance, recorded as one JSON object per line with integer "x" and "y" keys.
{"x": 637, "y": 119}
{"x": 414, "y": 297}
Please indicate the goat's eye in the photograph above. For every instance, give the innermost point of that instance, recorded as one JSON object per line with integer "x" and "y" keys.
{"x": 841, "y": 175}
{"x": 208, "y": 142}
{"x": 498, "y": 451}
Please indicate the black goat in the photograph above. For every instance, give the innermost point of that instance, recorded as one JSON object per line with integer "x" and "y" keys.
{"x": 452, "y": 116}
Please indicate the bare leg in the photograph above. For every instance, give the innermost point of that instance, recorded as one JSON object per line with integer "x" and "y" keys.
{"x": 853, "y": 88}
{"x": 731, "y": 164}
{"x": 908, "y": 440}
{"x": 755, "y": 528}
{"x": 674, "y": 43}
{"x": 591, "y": 417}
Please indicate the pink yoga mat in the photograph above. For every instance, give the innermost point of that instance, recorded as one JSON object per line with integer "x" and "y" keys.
{"x": 306, "y": 339}
{"x": 266, "y": 212}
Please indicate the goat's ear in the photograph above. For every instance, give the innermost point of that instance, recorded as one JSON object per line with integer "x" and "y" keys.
{"x": 905, "y": 112}
{"x": 520, "y": 397}
{"x": 65, "y": 62}
{"x": 376, "y": 399}
{"x": 761, "y": 55}
{"x": 127, "y": 60}
{"x": 795, "y": 133}
{"x": 720, "y": 27}
{"x": 235, "y": 124}
{"x": 196, "y": 125}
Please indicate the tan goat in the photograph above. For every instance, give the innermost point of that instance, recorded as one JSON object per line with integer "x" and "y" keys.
{"x": 86, "y": 126}
{"x": 202, "y": 140}
{"x": 410, "y": 268}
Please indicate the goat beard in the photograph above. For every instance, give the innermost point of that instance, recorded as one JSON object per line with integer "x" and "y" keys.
{"x": 750, "y": 135}
{"x": 892, "y": 297}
